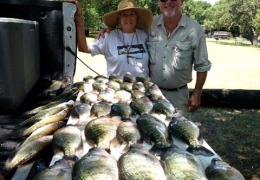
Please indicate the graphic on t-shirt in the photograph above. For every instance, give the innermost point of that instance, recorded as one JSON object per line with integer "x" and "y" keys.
{"x": 134, "y": 51}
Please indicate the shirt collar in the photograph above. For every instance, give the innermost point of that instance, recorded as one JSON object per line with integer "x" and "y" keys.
{"x": 182, "y": 22}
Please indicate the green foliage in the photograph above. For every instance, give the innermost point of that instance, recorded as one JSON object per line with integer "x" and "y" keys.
{"x": 236, "y": 16}
{"x": 241, "y": 17}
{"x": 196, "y": 10}
{"x": 94, "y": 10}
{"x": 256, "y": 23}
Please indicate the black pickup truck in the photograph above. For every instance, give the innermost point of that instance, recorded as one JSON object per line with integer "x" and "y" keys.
{"x": 34, "y": 35}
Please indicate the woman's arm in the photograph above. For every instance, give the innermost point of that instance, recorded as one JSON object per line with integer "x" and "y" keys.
{"x": 80, "y": 30}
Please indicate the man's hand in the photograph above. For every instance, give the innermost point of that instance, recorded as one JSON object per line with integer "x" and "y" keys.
{"x": 194, "y": 101}
{"x": 102, "y": 33}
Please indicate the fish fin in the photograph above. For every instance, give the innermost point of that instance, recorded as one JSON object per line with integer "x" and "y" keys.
{"x": 200, "y": 150}
{"x": 115, "y": 142}
{"x": 73, "y": 158}
{"x": 126, "y": 148}
{"x": 158, "y": 151}
{"x": 147, "y": 139}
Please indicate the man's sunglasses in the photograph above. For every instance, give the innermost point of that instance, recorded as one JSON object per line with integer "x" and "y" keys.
{"x": 167, "y": 0}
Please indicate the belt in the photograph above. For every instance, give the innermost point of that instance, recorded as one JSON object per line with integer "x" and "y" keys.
{"x": 174, "y": 89}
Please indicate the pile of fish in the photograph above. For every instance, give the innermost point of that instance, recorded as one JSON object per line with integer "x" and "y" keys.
{"x": 119, "y": 128}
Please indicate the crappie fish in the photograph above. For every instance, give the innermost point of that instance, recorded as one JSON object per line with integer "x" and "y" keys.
{"x": 54, "y": 104}
{"x": 71, "y": 94}
{"x": 180, "y": 164}
{"x": 98, "y": 86}
{"x": 154, "y": 92}
{"x": 101, "y": 79}
{"x": 113, "y": 85}
{"x": 48, "y": 129}
{"x": 137, "y": 94}
{"x": 81, "y": 111}
{"x": 163, "y": 106}
{"x": 121, "y": 109}
{"x": 123, "y": 96}
{"x": 137, "y": 163}
{"x": 128, "y": 132}
{"x": 68, "y": 140}
{"x": 97, "y": 164}
{"x": 57, "y": 85}
{"x": 126, "y": 86}
{"x": 89, "y": 98}
{"x": 99, "y": 109}
{"x": 61, "y": 169}
{"x": 142, "y": 105}
{"x": 89, "y": 79}
{"x": 129, "y": 78}
{"x": 153, "y": 130}
{"x": 142, "y": 78}
{"x": 107, "y": 95}
{"x": 220, "y": 170}
{"x": 83, "y": 86}
{"x": 138, "y": 86}
{"x": 191, "y": 134}
{"x": 116, "y": 77}
{"x": 29, "y": 150}
{"x": 60, "y": 116}
{"x": 101, "y": 132}
{"x": 148, "y": 84}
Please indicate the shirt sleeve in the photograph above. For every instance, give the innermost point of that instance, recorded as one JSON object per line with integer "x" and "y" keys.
{"x": 99, "y": 46}
{"x": 201, "y": 61}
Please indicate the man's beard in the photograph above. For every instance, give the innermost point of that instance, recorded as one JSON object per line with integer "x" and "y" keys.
{"x": 169, "y": 14}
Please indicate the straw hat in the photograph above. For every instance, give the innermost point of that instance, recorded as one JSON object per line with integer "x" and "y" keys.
{"x": 145, "y": 15}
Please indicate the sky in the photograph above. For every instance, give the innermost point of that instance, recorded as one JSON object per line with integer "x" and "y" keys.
{"x": 210, "y": 1}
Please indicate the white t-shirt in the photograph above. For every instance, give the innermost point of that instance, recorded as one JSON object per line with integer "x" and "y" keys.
{"x": 123, "y": 52}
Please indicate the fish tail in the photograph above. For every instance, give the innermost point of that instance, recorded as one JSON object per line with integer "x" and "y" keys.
{"x": 158, "y": 151}
{"x": 200, "y": 150}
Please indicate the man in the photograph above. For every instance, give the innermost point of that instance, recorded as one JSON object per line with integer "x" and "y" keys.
{"x": 176, "y": 45}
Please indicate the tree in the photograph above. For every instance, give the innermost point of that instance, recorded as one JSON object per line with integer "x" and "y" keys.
{"x": 236, "y": 16}
{"x": 256, "y": 23}
{"x": 243, "y": 14}
{"x": 93, "y": 10}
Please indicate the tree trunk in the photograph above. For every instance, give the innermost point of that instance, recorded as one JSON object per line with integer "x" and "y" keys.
{"x": 230, "y": 98}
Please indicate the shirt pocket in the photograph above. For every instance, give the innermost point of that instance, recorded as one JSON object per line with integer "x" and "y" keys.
{"x": 182, "y": 55}
{"x": 152, "y": 48}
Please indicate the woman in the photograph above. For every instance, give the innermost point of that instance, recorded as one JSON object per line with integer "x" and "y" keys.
{"x": 125, "y": 47}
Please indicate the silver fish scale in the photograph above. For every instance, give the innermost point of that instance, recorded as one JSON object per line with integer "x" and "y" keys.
{"x": 100, "y": 133}
{"x": 154, "y": 130}
{"x": 180, "y": 164}
{"x": 142, "y": 105}
{"x": 96, "y": 165}
{"x": 68, "y": 139}
{"x": 128, "y": 132}
{"x": 140, "y": 166}
{"x": 164, "y": 107}
{"x": 186, "y": 130}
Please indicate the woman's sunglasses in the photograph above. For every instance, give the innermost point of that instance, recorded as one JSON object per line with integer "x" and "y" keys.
{"x": 167, "y": 0}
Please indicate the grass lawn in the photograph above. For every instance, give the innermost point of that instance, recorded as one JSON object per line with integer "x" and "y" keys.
{"x": 233, "y": 133}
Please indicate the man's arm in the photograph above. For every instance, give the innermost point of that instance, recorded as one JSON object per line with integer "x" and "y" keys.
{"x": 194, "y": 100}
